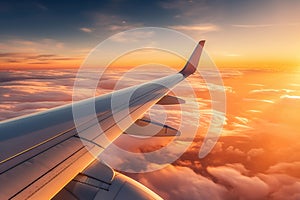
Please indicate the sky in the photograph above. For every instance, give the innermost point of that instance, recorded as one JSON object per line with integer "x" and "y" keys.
{"x": 242, "y": 34}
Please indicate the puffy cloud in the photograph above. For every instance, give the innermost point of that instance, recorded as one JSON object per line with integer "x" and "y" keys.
{"x": 239, "y": 167}
{"x": 232, "y": 181}
{"x": 291, "y": 192}
{"x": 255, "y": 152}
{"x": 239, "y": 184}
{"x": 182, "y": 183}
{"x": 235, "y": 151}
{"x": 292, "y": 168}
{"x": 282, "y": 186}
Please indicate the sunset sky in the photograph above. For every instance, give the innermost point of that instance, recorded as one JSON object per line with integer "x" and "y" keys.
{"x": 50, "y": 34}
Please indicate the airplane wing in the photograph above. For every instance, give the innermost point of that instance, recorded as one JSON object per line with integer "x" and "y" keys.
{"x": 43, "y": 157}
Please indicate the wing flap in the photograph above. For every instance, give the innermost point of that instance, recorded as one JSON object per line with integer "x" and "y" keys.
{"x": 170, "y": 100}
{"x": 146, "y": 128}
{"x": 97, "y": 176}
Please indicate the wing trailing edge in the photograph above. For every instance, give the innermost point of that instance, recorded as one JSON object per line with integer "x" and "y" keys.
{"x": 170, "y": 100}
{"x": 145, "y": 127}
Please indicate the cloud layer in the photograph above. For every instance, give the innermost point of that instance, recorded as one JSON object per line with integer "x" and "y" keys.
{"x": 257, "y": 150}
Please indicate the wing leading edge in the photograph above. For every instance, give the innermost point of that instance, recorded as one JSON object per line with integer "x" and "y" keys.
{"x": 41, "y": 153}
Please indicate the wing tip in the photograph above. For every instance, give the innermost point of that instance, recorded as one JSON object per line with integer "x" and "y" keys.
{"x": 201, "y": 43}
{"x": 191, "y": 65}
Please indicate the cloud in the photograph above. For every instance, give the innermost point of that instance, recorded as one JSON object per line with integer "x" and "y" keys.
{"x": 255, "y": 152}
{"x": 113, "y": 23}
{"x": 266, "y": 186}
{"x": 117, "y": 28}
{"x": 41, "y": 56}
{"x": 30, "y": 56}
{"x": 235, "y": 151}
{"x": 239, "y": 167}
{"x": 293, "y": 169}
{"x": 252, "y": 153}
{"x": 20, "y": 77}
{"x": 281, "y": 186}
{"x": 263, "y": 25}
{"x": 24, "y": 92}
{"x": 260, "y": 100}
{"x": 290, "y": 97}
{"x": 20, "y": 53}
{"x": 196, "y": 27}
{"x": 86, "y": 30}
{"x": 263, "y": 159}
{"x": 9, "y": 54}
{"x": 39, "y": 63}
{"x": 231, "y": 181}
{"x": 19, "y": 45}
{"x": 23, "y": 59}
{"x": 271, "y": 91}
{"x": 239, "y": 184}
{"x": 252, "y": 25}
{"x": 135, "y": 36}
{"x": 291, "y": 191}
{"x": 181, "y": 182}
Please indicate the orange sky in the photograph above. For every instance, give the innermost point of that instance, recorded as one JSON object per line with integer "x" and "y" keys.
{"x": 261, "y": 51}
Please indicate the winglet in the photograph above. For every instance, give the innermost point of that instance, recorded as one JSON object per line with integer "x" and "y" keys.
{"x": 191, "y": 66}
